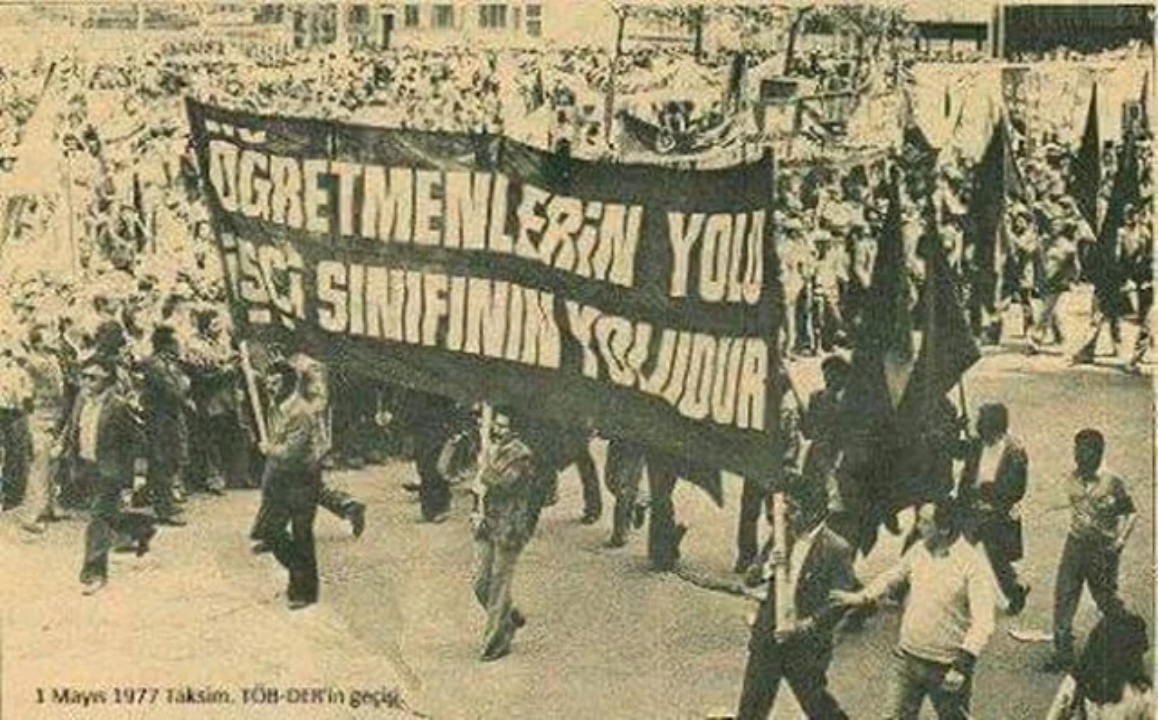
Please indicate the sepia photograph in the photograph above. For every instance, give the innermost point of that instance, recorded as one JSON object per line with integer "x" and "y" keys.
{"x": 577, "y": 359}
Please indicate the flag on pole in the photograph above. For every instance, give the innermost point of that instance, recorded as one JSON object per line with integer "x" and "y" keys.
{"x": 882, "y": 364}
{"x": 926, "y": 426}
{"x": 1104, "y": 268}
{"x": 1086, "y": 170}
{"x": 996, "y": 179}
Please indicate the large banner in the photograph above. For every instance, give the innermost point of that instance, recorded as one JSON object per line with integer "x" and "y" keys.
{"x": 642, "y": 301}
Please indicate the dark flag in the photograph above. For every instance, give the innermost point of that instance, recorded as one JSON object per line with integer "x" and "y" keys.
{"x": 882, "y": 364}
{"x": 995, "y": 180}
{"x": 947, "y": 347}
{"x": 926, "y": 420}
{"x": 1086, "y": 170}
{"x": 1105, "y": 270}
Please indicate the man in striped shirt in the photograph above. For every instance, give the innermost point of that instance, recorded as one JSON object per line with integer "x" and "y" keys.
{"x": 948, "y": 617}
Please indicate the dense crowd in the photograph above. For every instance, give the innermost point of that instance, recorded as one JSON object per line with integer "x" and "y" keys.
{"x": 142, "y": 329}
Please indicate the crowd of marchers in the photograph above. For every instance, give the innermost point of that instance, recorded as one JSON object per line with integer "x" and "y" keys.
{"x": 123, "y": 389}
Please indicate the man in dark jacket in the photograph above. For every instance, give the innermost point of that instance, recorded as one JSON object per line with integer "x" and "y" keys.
{"x": 101, "y": 436}
{"x": 993, "y": 482}
{"x": 818, "y": 562}
{"x": 165, "y": 397}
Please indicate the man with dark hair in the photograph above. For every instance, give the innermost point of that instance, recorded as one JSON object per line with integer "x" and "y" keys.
{"x": 948, "y": 616}
{"x": 45, "y": 420}
{"x": 818, "y": 562}
{"x": 1102, "y": 516}
{"x": 292, "y": 481}
{"x": 993, "y": 483}
{"x": 165, "y": 397}
{"x": 100, "y": 436}
{"x": 754, "y": 496}
{"x": 509, "y": 490}
{"x": 280, "y": 382}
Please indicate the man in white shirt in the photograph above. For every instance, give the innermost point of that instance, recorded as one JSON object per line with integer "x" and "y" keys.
{"x": 948, "y": 618}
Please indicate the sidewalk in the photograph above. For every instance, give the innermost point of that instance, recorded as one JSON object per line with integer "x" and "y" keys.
{"x": 198, "y": 618}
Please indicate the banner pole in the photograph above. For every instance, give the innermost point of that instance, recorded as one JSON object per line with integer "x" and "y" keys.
{"x": 73, "y": 251}
{"x": 961, "y": 397}
{"x": 780, "y": 548}
{"x": 251, "y": 391}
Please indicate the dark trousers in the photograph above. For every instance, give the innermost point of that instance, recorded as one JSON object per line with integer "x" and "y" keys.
{"x": 160, "y": 478}
{"x": 1084, "y": 563}
{"x": 1145, "y": 305}
{"x": 337, "y": 501}
{"x": 804, "y": 664}
{"x": 663, "y": 535}
{"x": 589, "y": 476}
{"x": 752, "y": 503}
{"x": 1000, "y": 561}
{"x": 17, "y": 453}
{"x": 107, "y": 526}
{"x": 226, "y": 461}
{"x": 493, "y": 577}
{"x": 915, "y": 679}
{"x": 433, "y": 488}
{"x": 622, "y": 473}
{"x": 294, "y": 546}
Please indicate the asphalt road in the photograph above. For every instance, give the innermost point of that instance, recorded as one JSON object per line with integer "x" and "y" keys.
{"x": 606, "y": 638}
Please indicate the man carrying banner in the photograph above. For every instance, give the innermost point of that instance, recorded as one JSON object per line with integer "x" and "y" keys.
{"x": 508, "y": 492}
{"x": 280, "y": 384}
{"x": 819, "y": 562}
{"x": 292, "y": 478}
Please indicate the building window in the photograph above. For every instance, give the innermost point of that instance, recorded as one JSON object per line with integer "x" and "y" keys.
{"x": 492, "y": 16}
{"x": 444, "y": 17}
{"x": 535, "y": 20}
{"x": 410, "y": 18}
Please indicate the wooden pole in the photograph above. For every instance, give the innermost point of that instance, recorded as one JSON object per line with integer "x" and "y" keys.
{"x": 784, "y": 619}
{"x": 484, "y": 443}
{"x": 251, "y": 390}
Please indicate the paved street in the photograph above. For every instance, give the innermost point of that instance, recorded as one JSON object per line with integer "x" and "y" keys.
{"x": 605, "y": 639}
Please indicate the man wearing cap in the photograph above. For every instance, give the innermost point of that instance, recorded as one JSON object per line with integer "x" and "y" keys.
{"x": 165, "y": 397}
{"x": 101, "y": 437}
{"x": 818, "y": 562}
